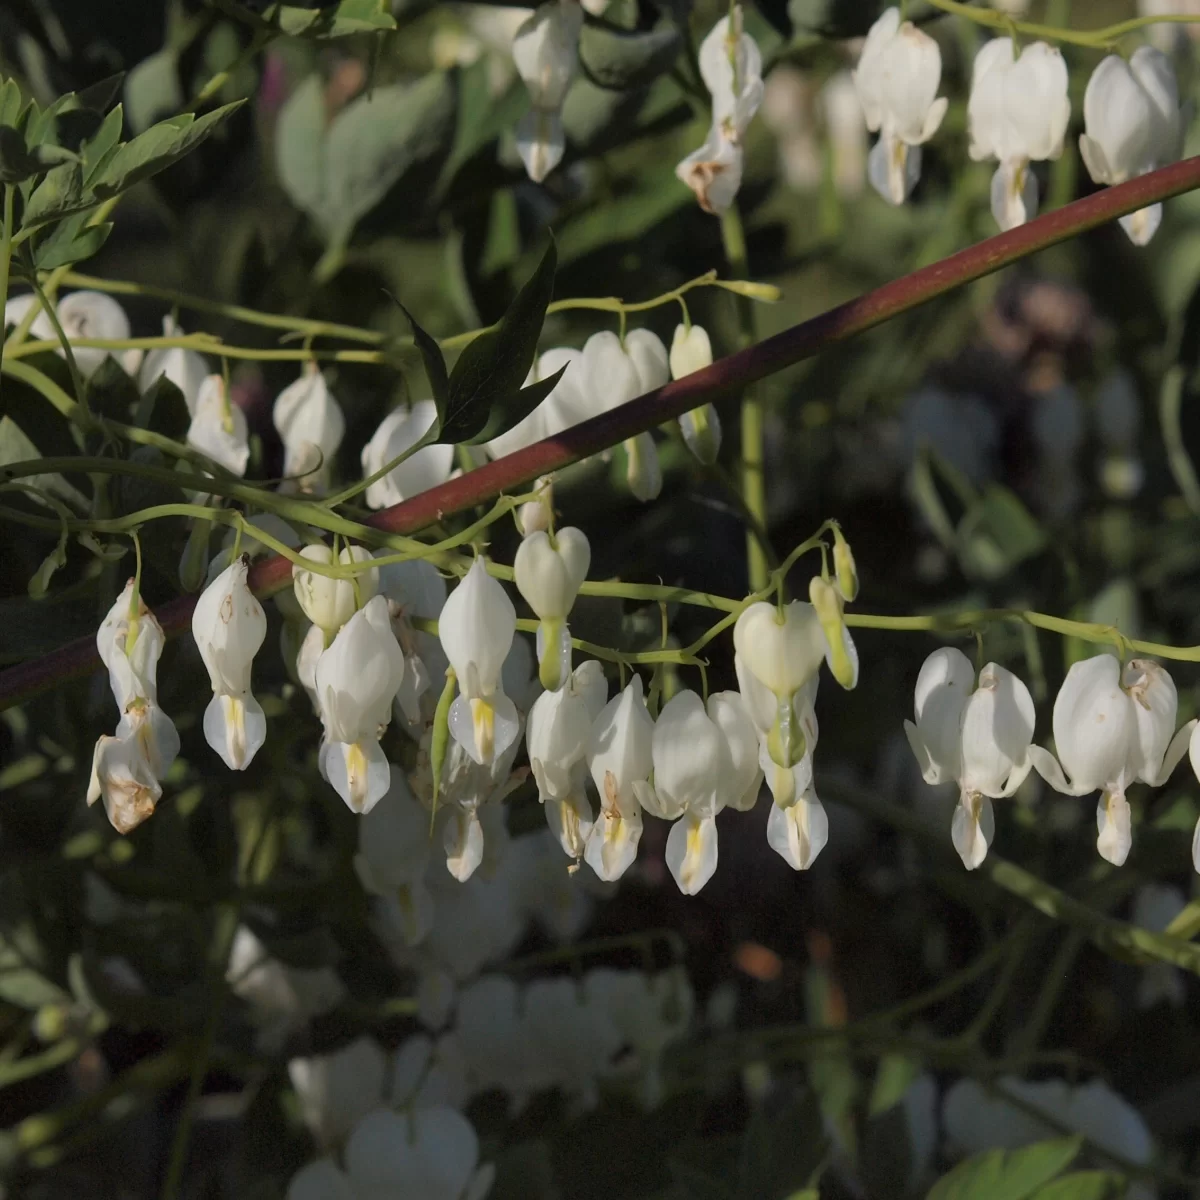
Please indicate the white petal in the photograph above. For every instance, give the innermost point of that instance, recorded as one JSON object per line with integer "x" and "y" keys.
{"x": 612, "y": 843}
{"x": 236, "y": 728}
{"x": 973, "y": 829}
{"x": 690, "y": 755}
{"x": 1154, "y": 702}
{"x": 1093, "y": 725}
{"x": 798, "y": 833}
{"x": 691, "y": 852}
{"x": 476, "y": 629}
{"x": 781, "y": 656}
{"x": 997, "y": 728}
{"x": 743, "y": 779}
{"x": 463, "y": 842}
{"x": 944, "y": 683}
{"x": 1014, "y": 194}
{"x": 1114, "y": 821}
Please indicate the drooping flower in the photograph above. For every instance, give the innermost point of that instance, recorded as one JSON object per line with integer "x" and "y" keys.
{"x": 327, "y": 602}
{"x": 691, "y": 351}
{"x": 356, "y": 681}
{"x": 731, "y": 67}
{"x": 186, "y": 369}
{"x": 399, "y": 431}
{"x": 620, "y": 753}
{"x": 310, "y": 423}
{"x": 1132, "y": 125}
{"x": 130, "y": 642}
{"x": 978, "y": 736}
{"x": 615, "y": 372}
{"x": 219, "y": 428}
{"x": 549, "y": 572}
{"x": 432, "y": 1153}
{"x": 337, "y": 1090}
{"x": 560, "y": 724}
{"x": 95, "y": 315}
{"x": 1017, "y": 114}
{"x": 847, "y": 134}
{"x": 229, "y": 626}
{"x": 1113, "y": 726}
{"x": 545, "y": 49}
{"x": 476, "y": 628}
{"x": 897, "y": 80}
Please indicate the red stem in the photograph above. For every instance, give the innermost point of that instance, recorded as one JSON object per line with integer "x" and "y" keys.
{"x": 725, "y": 376}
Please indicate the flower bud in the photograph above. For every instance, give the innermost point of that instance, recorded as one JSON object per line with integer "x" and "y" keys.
{"x": 327, "y": 602}
{"x": 843, "y": 565}
{"x": 691, "y": 350}
{"x": 840, "y": 654}
{"x": 768, "y": 293}
{"x": 548, "y": 574}
{"x": 643, "y": 472}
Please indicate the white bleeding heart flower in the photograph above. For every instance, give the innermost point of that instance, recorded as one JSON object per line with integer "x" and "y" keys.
{"x": 97, "y": 316}
{"x": 1113, "y": 726}
{"x": 186, "y": 369}
{"x": 311, "y": 425}
{"x": 356, "y": 681}
{"x": 229, "y": 626}
{"x": 421, "y": 470}
{"x": 897, "y": 80}
{"x": 327, "y": 602}
{"x": 1017, "y": 114}
{"x": 620, "y": 754}
{"x": 566, "y": 405}
{"x": 559, "y": 730}
{"x": 545, "y": 51}
{"x": 122, "y": 777}
{"x": 731, "y": 67}
{"x": 1132, "y": 124}
{"x": 476, "y": 628}
{"x": 691, "y": 351}
{"x": 979, "y": 736}
{"x": 218, "y": 427}
{"x": 740, "y": 785}
{"x": 548, "y": 573}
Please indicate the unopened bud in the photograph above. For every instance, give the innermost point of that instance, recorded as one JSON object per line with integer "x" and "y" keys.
{"x": 691, "y": 350}
{"x": 844, "y": 569}
{"x": 841, "y": 655}
{"x": 766, "y": 292}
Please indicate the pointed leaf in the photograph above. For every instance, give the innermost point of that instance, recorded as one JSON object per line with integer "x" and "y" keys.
{"x": 1007, "y": 1174}
{"x": 507, "y": 414}
{"x": 71, "y": 241}
{"x": 491, "y": 370}
{"x": 431, "y": 356}
{"x": 619, "y": 59}
{"x": 158, "y": 148}
{"x": 60, "y": 194}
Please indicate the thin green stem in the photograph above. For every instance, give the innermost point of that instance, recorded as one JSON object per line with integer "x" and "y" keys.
{"x": 754, "y": 492}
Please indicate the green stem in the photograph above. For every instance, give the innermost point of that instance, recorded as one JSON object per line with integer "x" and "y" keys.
{"x": 754, "y": 493}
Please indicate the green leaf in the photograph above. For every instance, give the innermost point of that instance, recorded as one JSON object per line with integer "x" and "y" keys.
{"x": 152, "y": 89}
{"x": 98, "y": 151}
{"x": 895, "y": 1073}
{"x": 1007, "y": 1174}
{"x": 431, "y": 356}
{"x": 997, "y": 532}
{"x": 620, "y": 59}
{"x": 482, "y": 117}
{"x": 158, "y": 148}
{"x": 71, "y": 243}
{"x": 21, "y": 981}
{"x": 339, "y": 20}
{"x": 1084, "y": 1185}
{"x": 99, "y": 95}
{"x": 338, "y": 172}
{"x": 111, "y": 393}
{"x": 490, "y": 371}
{"x": 11, "y": 106}
{"x": 60, "y": 194}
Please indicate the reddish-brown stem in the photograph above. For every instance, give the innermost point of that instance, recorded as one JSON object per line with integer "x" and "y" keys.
{"x": 725, "y": 376}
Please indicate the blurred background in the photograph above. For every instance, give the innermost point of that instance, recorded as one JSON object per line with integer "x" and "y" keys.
{"x": 1020, "y": 443}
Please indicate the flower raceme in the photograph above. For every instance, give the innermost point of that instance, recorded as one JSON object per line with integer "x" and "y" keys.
{"x": 975, "y": 734}
{"x": 229, "y": 627}
{"x": 356, "y": 680}
{"x": 897, "y": 80}
{"x": 1113, "y": 726}
{"x": 731, "y": 67}
{"x": 1017, "y": 114}
{"x": 476, "y": 628}
{"x": 1133, "y": 124}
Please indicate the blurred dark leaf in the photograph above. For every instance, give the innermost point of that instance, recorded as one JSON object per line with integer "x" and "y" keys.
{"x": 336, "y": 20}
{"x": 111, "y": 393}
{"x": 781, "y": 1149}
{"x": 620, "y": 59}
{"x": 431, "y": 356}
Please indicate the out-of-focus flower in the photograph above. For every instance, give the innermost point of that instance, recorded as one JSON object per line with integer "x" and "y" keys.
{"x": 186, "y": 369}
{"x": 545, "y": 49}
{"x": 310, "y": 423}
{"x": 219, "y": 428}
{"x": 95, "y": 315}
{"x": 328, "y": 602}
{"x": 897, "y": 80}
{"x": 337, "y": 1090}
{"x": 423, "y": 469}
